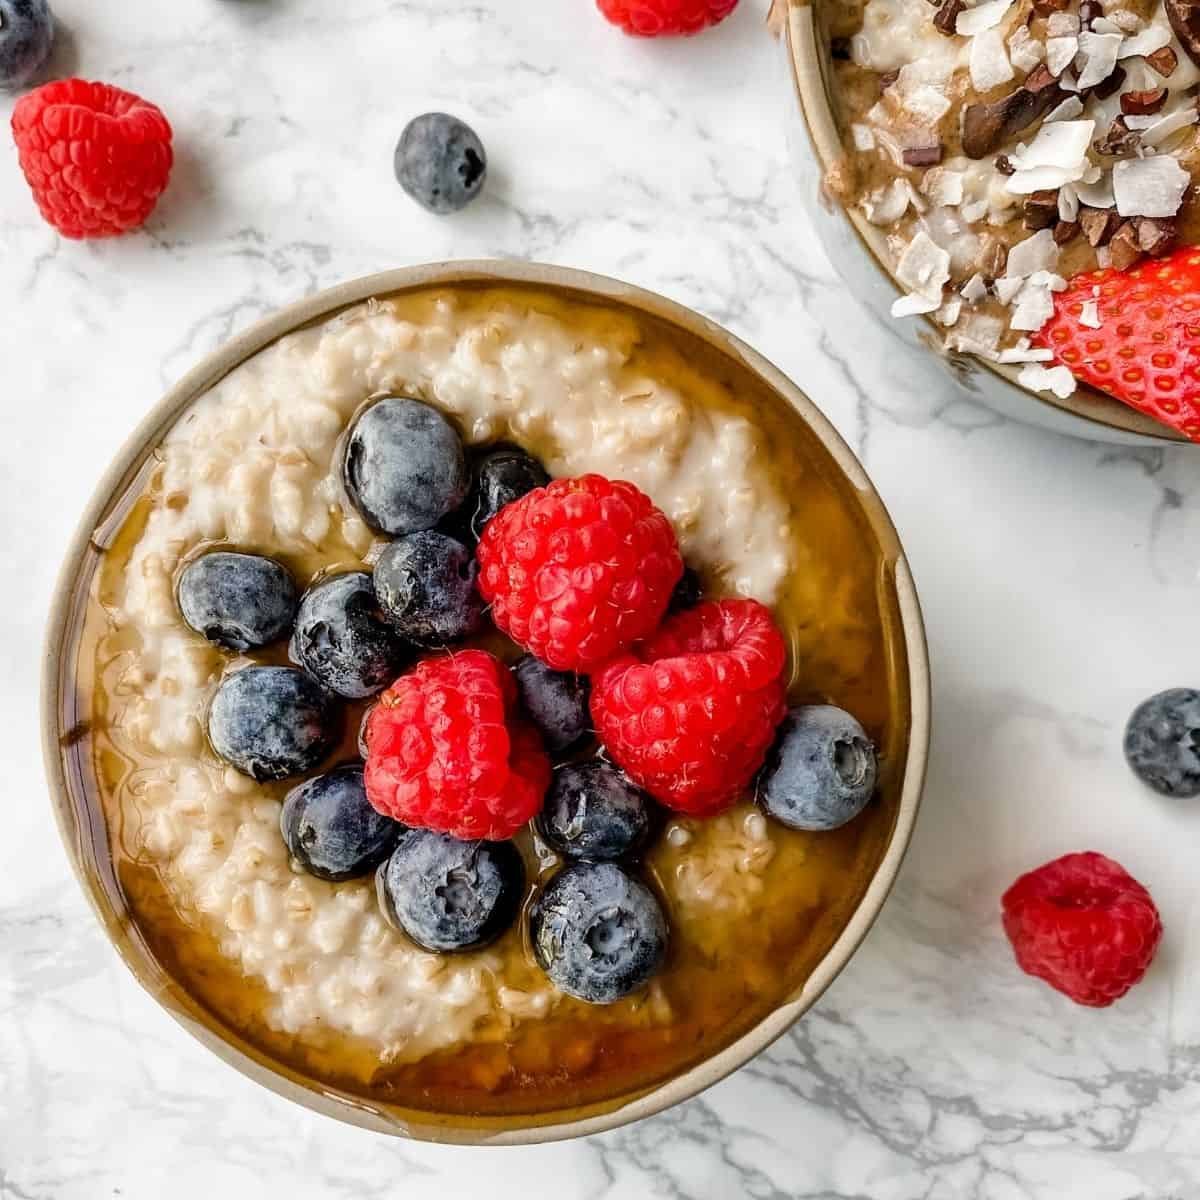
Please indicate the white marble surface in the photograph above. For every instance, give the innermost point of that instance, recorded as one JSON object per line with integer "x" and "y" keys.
{"x": 1059, "y": 579}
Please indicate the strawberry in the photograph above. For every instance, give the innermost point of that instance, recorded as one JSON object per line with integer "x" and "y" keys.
{"x": 1146, "y": 352}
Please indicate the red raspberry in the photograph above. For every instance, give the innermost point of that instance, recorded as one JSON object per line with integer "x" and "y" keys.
{"x": 97, "y": 158}
{"x": 691, "y": 713}
{"x": 445, "y": 752}
{"x": 1084, "y": 925}
{"x": 654, "y": 18}
{"x": 577, "y": 571}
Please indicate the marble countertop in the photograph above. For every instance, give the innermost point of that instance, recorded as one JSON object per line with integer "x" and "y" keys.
{"x": 1059, "y": 580}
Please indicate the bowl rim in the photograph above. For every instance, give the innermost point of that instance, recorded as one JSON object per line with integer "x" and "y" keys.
{"x": 587, "y": 286}
{"x": 807, "y": 57}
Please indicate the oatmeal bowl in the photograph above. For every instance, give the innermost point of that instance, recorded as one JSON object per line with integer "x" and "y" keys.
{"x": 486, "y": 703}
{"x": 998, "y": 180}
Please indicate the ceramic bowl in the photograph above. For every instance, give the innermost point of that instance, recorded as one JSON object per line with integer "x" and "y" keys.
{"x": 858, "y": 252}
{"x": 65, "y": 709}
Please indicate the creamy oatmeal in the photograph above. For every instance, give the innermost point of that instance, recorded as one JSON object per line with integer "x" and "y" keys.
{"x": 311, "y": 971}
{"x": 1008, "y": 145}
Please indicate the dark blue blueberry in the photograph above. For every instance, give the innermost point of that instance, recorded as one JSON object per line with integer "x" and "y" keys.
{"x": 26, "y": 39}
{"x": 689, "y": 591}
{"x": 555, "y": 701}
{"x": 330, "y": 828}
{"x": 594, "y": 812}
{"x": 404, "y": 466}
{"x": 821, "y": 772}
{"x": 502, "y": 475}
{"x": 342, "y": 640}
{"x": 440, "y": 162}
{"x": 239, "y": 601}
{"x": 272, "y": 722}
{"x": 426, "y": 588}
{"x": 1162, "y": 742}
{"x": 598, "y": 933}
{"x": 450, "y": 895}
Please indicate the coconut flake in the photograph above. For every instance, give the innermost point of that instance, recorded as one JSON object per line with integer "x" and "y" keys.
{"x": 1121, "y": 20}
{"x": 1034, "y": 307}
{"x": 1065, "y": 110}
{"x": 1089, "y": 314}
{"x": 1007, "y": 286}
{"x": 988, "y": 61}
{"x": 1023, "y": 352}
{"x": 1164, "y": 127}
{"x": 943, "y": 187}
{"x": 976, "y": 210}
{"x": 949, "y": 313}
{"x": 1149, "y": 187}
{"x": 1036, "y": 253}
{"x": 1103, "y": 257}
{"x": 864, "y": 139}
{"x": 1058, "y": 380}
{"x": 1096, "y": 194}
{"x": 976, "y": 333}
{"x": 974, "y": 289}
{"x": 1098, "y": 57}
{"x": 1024, "y": 50}
{"x": 924, "y": 267}
{"x": 1068, "y": 203}
{"x": 1057, "y": 155}
{"x": 975, "y": 20}
{"x": 1062, "y": 24}
{"x": 914, "y": 305}
{"x": 1153, "y": 37}
{"x": 887, "y": 205}
{"x": 1060, "y": 53}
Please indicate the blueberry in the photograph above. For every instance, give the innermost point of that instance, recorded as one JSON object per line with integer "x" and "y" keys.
{"x": 330, "y": 828}
{"x": 1162, "y": 742}
{"x": 426, "y": 588}
{"x": 440, "y": 162}
{"x": 450, "y": 895}
{"x": 821, "y": 772}
{"x": 598, "y": 933}
{"x": 272, "y": 722}
{"x": 404, "y": 467}
{"x": 555, "y": 701}
{"x": 342, "y": 640}
{"x": 502, "y": 475}
{"x": 594, "y": 812}
{"x": 239, "y": 601}
{"x": 26, "y": 39}
{"x": 689, "y": 591}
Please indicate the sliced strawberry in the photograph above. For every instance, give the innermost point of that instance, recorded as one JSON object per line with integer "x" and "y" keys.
{"x": 1146, "y": 352}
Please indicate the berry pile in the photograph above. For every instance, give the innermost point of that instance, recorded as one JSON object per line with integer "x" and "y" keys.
{"x": 459, "y": 752}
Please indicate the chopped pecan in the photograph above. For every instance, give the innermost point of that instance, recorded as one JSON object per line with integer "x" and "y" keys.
{"x": 1142, "y": 104}
{"x": 1124, "y": 247}
{"x": 1155, "y": 235}
{"x": 1164, "y": 60}
{"x": 947, "y": 15}
{"x": 1119, "y": 142}
{"x": 1112, "y": 84}
{"x": 1098, "y": 224}
{"x": 1040, "y": 209}
{"x": 923, "y": 156}
{"x": 1065, "y": 231}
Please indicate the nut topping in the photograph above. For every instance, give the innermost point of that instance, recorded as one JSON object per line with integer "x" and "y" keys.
{"x": 1098, "y": 225}
{"x": 1124, "y": 247}
{"x": 923, "y": 156}
{"x": 1065, "y": 231}
{"x": 1142, "y": 104}
{"x": 985, "y": 126}
{"x": 1184, "y": 16}
{"x": 1119, "y": 142}
{"x": 947, "y": 16}
{"x": 1040, "y": 209}
{"x": 1164, "y": 61}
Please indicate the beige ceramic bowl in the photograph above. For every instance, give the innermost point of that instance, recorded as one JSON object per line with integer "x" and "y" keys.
{"x": 858, "y": 251}
{"x": 65, "y": 712}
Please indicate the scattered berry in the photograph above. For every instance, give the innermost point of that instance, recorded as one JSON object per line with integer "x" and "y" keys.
{"x": 659, "y": 18}
{"x": 821, "y": 772}
{"x": 1162, "y": 742}
{"x": 239, "y": 601}
{"x": 272, "y": 722}
{"x": 593, "y": 812}
{"x": 26, "y": 39}
{"x": 97, "y": 158}
{"x": 440, "y": 162}
{"x": 577, "y": 571}
{"x": 691, "y": 712}
{"x": 445, "y": 752}
{"x": 330, "y": 828}
{"x": 449, "y": 895}
{"x": 1146, "y": 352}
{"x": 404, "y": 467}
{"x": 598, "y": 933}
{"x": 426, "y": 587}
{"x": 689, "y": 591}
{"x": 502, "y": 475}
{"x": 342, "y": 640}
{"x": 555, "y": 701}
{"x": 1084, "y": 925}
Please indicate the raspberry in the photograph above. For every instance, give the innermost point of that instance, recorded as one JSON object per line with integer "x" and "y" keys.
{"x": 1084, "y": 925}
{"x": 691, "y": 713}
{"x": 97, "y": 158}
{"x": 656, "y": 18}
{"x": 444, "y": 751}
{"x": 577, "y": 571}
